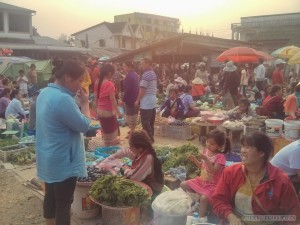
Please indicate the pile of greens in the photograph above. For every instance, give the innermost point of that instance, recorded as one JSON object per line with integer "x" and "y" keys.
{"x": 118, "y": 192}
{"x": 7, "y": 142}
{"x": 24, "y": 157}
{"x": 178, "y": 156}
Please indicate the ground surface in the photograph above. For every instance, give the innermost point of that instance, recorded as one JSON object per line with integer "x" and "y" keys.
{"x": 21, "y": 205}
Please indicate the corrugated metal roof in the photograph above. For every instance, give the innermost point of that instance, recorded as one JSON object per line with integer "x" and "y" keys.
{"x": 44, "y": 43}
{"x": 100, "y": 52}
{"x": 44, "y": 40}
{"x": 14, "y": 8}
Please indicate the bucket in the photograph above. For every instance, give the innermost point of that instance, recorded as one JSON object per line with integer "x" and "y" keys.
{"x": 292, "y": 129}
{"x": 120, "y": 216}
{"x": 160, "y": 218}
{"x": 83, "y": 207}
{"x": 274, "y": 127}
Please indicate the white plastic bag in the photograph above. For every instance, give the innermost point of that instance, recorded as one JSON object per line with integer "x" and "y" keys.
{"x": 176, "y": 202}
{"x": 171, "y": 119}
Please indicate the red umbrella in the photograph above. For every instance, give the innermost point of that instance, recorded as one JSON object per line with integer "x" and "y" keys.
{"x": 265, "y": 56}
{"x": 239, "y": 55}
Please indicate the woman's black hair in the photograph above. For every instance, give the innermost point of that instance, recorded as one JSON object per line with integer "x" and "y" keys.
{"x": 140, "y": 139}
{"x": 274, "y": 89}
{"x": 105, "y": 70}
{"x": 173, "y": 89}
{"x": 14, "y": 93}
{"x": 73, "y": 68}
{"x": 187, "y": 88}
{"x": 261, "y": 142}
{"x": 221, "y": 140}
{"x": 5, "y": 92}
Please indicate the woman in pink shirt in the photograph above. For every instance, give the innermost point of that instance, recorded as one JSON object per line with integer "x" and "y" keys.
{"x": 145, "y": 167}
{"x": 107, "y": 108}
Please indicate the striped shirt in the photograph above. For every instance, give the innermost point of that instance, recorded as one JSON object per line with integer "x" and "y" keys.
{"x": 149, "y": 81}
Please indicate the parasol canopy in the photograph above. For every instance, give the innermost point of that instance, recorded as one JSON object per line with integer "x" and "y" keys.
{"x": 286, "y": 52}
{"x": 240, "y": 55}
{"x": 265, "y": 56}
{"x": 295, "y": 59}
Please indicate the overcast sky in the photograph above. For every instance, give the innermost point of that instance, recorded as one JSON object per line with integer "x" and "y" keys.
{"x": 54, "y": 17}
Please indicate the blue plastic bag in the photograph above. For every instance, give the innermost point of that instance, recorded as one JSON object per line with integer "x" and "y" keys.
{"x": 106, "y": 151}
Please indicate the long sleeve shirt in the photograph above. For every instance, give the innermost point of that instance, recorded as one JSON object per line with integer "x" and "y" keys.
{"x": 140, "y": 172}
{"x": 14, "y": 108}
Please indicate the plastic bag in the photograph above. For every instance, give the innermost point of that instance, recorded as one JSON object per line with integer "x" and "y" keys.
{"x": 178, "y": 173}
{"x": 171, "y": 119}
{"x": 106, "y": 151}
{"x": 176, "y": 202}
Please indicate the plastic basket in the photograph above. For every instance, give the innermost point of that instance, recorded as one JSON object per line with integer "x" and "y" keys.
{"x": 178, "y": 132}
{"x": 5, "y": 152}
{"x": 160, "y": 129}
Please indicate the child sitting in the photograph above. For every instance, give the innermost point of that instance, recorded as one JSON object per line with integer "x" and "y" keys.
{"x": 212, "y": 164}
{"x": 173, "y": 106}
{"x": 243, "y": 109}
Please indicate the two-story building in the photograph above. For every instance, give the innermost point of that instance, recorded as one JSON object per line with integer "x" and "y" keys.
{"x": 110, "y": 37}
{"x": 16, "y": 33}
{"x": 155, "y": 27}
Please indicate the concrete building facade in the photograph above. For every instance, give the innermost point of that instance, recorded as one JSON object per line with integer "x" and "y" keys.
{"x": 272, "y": 31}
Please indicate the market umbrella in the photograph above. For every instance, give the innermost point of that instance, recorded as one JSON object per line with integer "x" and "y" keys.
{"x": 239, "y": 55}
{"x": 265, "y": 56}
{"x": 286, "y": 52}
{"x": 295, "y": 59}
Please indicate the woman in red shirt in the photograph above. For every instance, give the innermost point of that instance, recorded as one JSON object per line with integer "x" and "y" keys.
{"x": 107, "y": 107}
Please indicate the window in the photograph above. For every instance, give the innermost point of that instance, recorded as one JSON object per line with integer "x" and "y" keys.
{"x": 19, "y": 22}
{"x": 101, "y": 43}
{"x": 1, "y": 22}
{"x": 123, "y": 43}
{"x": 82, "y": 43}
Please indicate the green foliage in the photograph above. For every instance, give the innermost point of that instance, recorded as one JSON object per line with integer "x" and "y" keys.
{"x": 118, "y": 192}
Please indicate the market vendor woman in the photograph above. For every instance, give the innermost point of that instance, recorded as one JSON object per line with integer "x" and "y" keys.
{"x": 255, "y": 187}
{"x": 145, "y": 167}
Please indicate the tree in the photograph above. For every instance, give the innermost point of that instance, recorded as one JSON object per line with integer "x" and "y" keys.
{"x": 35, "y": 32}
{"x": 65, "y": 39}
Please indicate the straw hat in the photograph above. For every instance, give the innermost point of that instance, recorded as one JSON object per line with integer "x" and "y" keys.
{"x": 197, "y": 80}
{"x": 202, "y": 64}
{"x": 229, "y": 67}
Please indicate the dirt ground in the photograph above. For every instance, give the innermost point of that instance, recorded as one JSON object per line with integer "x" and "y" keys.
{"x": 19, "y": 204}
{"x": 23, "y": 206}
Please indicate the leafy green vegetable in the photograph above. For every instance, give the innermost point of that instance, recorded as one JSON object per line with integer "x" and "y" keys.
{"x": 7, "y": 142}
{"x": 118, "y": 192}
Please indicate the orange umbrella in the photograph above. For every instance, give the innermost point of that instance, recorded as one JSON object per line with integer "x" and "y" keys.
{"x": 239, "y": 55}
{"x": 265, "y": 56}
